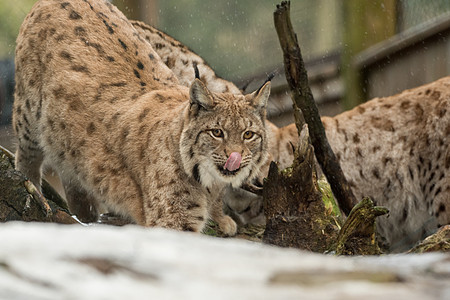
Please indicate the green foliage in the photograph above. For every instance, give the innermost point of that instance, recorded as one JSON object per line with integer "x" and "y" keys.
{"x": 12, "y": 14}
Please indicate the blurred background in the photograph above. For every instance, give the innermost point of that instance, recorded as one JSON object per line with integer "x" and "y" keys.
{"x": 354, "y": 49}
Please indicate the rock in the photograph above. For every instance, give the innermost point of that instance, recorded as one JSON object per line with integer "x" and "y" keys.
{"x": 51, "y": 261}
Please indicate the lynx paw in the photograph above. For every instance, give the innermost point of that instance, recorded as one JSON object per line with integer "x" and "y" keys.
{"x": 227, "y": 225}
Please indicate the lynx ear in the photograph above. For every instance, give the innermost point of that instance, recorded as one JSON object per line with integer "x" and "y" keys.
{"x": 200, "y": 95}
{"x": 260, "y": 97}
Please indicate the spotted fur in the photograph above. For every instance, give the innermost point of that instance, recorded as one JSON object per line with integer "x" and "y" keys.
{"x": 94, "y": 101}
{"x": 396, "y": 151}
{"x": 180, "y": 59}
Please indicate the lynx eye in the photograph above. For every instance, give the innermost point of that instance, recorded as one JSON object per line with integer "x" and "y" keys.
{"x": 217, "y": 133}
{"x": 248, "y": 135}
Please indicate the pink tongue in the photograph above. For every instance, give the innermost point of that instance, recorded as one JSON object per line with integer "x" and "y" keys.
{"x": 233, "y": 162}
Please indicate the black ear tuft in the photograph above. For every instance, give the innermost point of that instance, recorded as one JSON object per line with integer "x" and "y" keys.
{"x": 261, "y": 96}
{"x": 197, "y": 73}
{"x": 200, "y": 95}
{"x": 269, "y": 78}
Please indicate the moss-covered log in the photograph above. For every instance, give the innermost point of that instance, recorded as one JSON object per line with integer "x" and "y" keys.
{"x": 358, "y": 235}
{"x": 438, "y": 242}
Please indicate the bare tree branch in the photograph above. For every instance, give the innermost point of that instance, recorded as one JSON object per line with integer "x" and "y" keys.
{"x": 303, "y": 99}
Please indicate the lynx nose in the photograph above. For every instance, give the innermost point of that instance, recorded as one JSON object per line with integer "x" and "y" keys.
{"x": 233, "y": 162}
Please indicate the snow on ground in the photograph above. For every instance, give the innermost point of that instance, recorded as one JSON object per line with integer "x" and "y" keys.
{"x": 50, "y": 261}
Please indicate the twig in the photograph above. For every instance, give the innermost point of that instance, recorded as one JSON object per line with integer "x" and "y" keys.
{"x": 40, "y": 199}
{"x": 253, "y": 189}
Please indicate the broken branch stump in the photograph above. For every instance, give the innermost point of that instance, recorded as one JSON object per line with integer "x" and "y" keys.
{"x": 293, "y": 206}
{"x": 358, "y": 235}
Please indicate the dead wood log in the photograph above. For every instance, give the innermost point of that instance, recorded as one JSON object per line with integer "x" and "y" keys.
{"x": 437, "y": 242}
{"x": 293, "y": 206}
{"x": 20, "y": 200}
{"x": 303, "y": 99}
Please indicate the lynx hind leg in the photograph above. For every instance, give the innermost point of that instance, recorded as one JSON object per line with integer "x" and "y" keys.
{"x": 28, "y": 160}
{"x": 244, "y": 207}
{"x": 81, "y": 203}
{"x": 441, "y": 204}
{"x": 226, "y": 224}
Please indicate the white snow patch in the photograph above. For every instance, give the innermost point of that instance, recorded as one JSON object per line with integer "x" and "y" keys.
{"x": 49, "y": 261}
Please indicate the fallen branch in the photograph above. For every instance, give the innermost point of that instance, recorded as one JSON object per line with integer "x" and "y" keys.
{"x": 303, "y": 99}
{"x": 20, "y": 200}
{"x": 47, "y": 190}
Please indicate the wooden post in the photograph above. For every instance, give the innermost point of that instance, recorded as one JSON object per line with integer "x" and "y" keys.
{"x": 365, "y": 24}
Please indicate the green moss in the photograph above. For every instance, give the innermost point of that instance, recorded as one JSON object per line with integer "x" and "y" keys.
{"x": 211, "y": 228}
{"x": 287, "y": 172}
{"x": 331, "y": 206}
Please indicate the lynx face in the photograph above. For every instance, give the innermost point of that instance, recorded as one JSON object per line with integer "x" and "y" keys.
{"x": 225, "y": 140}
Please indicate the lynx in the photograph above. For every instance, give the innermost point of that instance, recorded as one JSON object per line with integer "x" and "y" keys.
{"x": 94, "y": 101}
{"x": 394, "y": 149}
{"x": 180, "y": 59}
{"x": 244, "y": 206}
